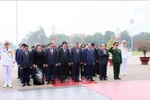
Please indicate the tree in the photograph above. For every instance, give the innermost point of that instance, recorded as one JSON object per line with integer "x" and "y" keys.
{"x": 142, "y": 45}
{"x": 89, "y": 39}
{"x": 76, "y": 38}
{"x": 107, "y": 36}
{"x": 111, "y": 41}
{"x": 38, "y": 36}
{"x": 124, "y": 35}
{"x": 142, "y": 35}
{"x": 98, "y": 38}
{"x": 59, "y": 38}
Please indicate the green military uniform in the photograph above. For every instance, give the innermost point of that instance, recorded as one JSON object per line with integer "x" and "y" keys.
{"x": 117, "y": 60}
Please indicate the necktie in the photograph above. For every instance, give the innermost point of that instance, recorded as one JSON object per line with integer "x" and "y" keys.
{"x": 77, "y": 50}
{"x": 51, "y": 51}
{"x": 26, "y": 53}
{"x": 65, "y": 51}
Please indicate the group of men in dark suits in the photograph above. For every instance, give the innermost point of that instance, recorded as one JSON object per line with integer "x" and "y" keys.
{"x": 62, "y": 60}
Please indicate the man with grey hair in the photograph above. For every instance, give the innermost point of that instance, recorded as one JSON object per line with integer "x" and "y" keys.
{"x": 124, "y": 53}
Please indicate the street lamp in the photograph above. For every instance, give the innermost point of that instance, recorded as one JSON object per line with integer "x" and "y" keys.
{"x": 132, "y": 22}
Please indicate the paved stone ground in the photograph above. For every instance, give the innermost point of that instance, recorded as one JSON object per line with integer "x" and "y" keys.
{"x": 135, "y": 71}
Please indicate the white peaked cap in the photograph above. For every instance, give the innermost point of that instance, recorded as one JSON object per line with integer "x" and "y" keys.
{"x": 124, "y": 41}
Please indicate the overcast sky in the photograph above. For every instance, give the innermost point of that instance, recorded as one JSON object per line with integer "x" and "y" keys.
{"x": 68, "y": 17}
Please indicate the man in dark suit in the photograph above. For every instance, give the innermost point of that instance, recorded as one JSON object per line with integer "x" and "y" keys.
{"x": 95, "y": 67}
{"x": 82, "y": 59}
{"x": 103, "y": 61}
{"x": 25, "y": 64}
{"x": 63, "y": 61}
{"x": 76, "y": 60}
{"x": 16, "y": 55}
{"x": 51, "y": 63}
{"x": 89, "y": 61}
{"x": 18, "y": 61}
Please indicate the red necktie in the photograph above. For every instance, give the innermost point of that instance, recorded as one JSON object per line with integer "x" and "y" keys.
{"x": 51, "y": 51}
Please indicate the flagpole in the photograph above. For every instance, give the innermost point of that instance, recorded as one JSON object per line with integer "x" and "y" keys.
{"x": 16, "y": 22}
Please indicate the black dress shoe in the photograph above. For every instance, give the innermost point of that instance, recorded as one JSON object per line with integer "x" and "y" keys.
{"x": 28, "y": 84}
{"x": 105, "y": 79}
{"x": 62, "y": 81}
{"x": 92, "y": 80}
{"x": 53, "y": 82}
{"x": 101, "y": 78}
{"x": 115, "y": 78}
{"x": 48, "y": 83}
{"x": 23, "y": 85}
{"x": 118, "y": 78}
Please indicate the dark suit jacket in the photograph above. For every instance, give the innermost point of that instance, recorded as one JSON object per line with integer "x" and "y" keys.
{"x": 25, "y": 60}
{"x": 89, "y": 57}
{"x": 16, "y": 54}
{"x": 31, "y": 53}
{"x": 76, "y": 57}
{"x": 103, "y": 58}
{"x": 50, "y": 58}
{"x": 19, "y": 56}
{"x": 96, "y": 54}
{"x": 62, "y": 56}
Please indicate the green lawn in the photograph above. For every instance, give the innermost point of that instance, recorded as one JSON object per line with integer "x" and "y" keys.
{"x": 140, "y": 53}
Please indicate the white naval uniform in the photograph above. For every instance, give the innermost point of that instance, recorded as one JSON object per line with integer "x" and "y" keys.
{"x": 7, "y": 63}
{"x": 125, "y": 56}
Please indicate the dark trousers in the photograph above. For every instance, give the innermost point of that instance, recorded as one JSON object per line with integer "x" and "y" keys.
{"x": 18, "y": 72}
{"x": 45, "y": 72}
{"x": 102, "y": 71}
{"x": 63, "y": 70}
{"x": 82, "y": 70}
{"x": 57, "y": 72}
{"x": 75, "y": 71}
{"x": 95, "y": 69}
{"x": 51, "y": 72}
{"x": 89, "y": 72}
{"x": 26, "y": 75}
{"x": 21, "y": 74}
{"x": 32, "y": 71}
{"x": 70, "y": 71}
{"x": 116, "y": 67}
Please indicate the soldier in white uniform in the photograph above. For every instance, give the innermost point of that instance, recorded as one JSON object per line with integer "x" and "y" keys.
{"x": 124, "y": 53}
{"x": 7, "y": 61}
